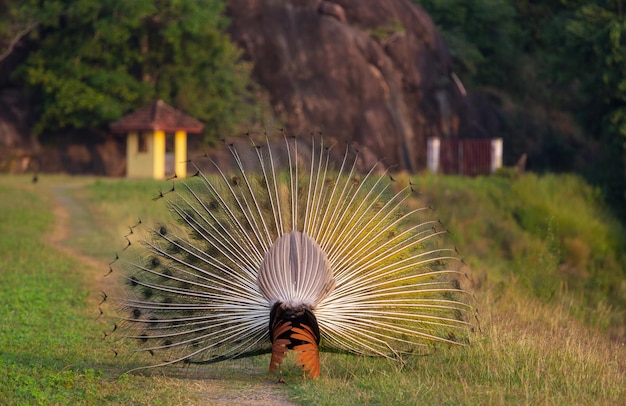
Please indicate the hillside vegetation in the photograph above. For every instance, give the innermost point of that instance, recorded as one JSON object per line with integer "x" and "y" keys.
{"x": 547, "y": 270}
{"x": 555, "y": 71}
{"x": 548, "y": 236}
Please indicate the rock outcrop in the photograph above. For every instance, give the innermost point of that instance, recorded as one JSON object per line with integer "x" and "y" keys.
{"x": 374, "y": 71}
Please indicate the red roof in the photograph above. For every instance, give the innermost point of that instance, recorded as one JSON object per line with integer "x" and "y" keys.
{"x": 157, "y": 116}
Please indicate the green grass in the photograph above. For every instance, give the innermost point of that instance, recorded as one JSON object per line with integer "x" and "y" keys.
{"x": 520, "y": 358}
{"x": 547, "y": 265}
{"x": 549, "y": 234}
{"x": 49, "y": 342}
{"x": 52, "y": 350}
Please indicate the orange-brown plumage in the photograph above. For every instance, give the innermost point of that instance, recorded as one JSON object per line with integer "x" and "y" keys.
{"x": 308, "y": 355}
{"x": 279, "y": 345}
{"x": 295, "y": 329}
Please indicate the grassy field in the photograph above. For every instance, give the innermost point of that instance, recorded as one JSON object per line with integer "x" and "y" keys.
{"x": 52, "y": 350}
{"x": 548, "y": 271}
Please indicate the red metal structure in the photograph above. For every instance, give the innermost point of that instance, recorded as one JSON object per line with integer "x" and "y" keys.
{"x": 468, "y": 157}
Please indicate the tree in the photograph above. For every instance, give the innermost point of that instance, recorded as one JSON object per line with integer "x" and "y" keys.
{"x": 591, "y": 37}
{"x": 94, "y": 61}
{"x": 482, "y": 36}
{"x": 17, "y": 20}
{"x": 561, "y": 65}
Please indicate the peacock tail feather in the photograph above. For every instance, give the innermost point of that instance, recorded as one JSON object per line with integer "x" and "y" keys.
{"x": 291, "y": 247}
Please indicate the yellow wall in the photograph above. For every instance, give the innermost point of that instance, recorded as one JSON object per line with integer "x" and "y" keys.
{"x": 138, "y": 164}
{"x": 151, "y": 163}
{"x": 180, "y": 153}
{"x": 158, "y": 155}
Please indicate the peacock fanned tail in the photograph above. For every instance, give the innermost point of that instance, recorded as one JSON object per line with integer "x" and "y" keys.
{"x": 291, "y": 248}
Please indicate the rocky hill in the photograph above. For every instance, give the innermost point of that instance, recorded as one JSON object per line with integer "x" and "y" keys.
{"x": 376, "y": 71}
{"x": 373, "y": 71}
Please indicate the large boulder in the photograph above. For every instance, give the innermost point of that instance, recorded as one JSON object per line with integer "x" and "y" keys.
{"x": 373, "y": 71}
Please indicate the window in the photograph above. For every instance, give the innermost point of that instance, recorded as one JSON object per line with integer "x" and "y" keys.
{"x": 142, "y": 145}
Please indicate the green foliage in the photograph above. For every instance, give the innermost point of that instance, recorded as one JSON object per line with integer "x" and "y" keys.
{"x": 482, "y": 36}
{"x": 592, "y": 39}
{"x": 496, "y": 42}
{"x": 95, "y": 61}
{"x": 558, "y": 69}
{"x": 550, "y": 233}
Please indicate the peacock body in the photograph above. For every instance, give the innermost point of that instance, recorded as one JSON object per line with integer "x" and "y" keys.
{"x": 290, "y": 248}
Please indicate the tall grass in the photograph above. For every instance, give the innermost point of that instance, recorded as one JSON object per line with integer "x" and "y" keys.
{"x": 550, "y": 234}
{"x": 547, "y": 265}
{"x": 527, "y": 352}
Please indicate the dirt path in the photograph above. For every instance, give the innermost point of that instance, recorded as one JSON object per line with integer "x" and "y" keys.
{"x": 213, "y": 391}
{"x": 63, "y": 207}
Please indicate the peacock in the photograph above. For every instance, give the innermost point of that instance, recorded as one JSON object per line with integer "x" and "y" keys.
{"x": 291, "y": 246}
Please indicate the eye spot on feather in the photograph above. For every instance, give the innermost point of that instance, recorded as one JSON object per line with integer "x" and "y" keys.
{"x": 136, "y": 313}
{"x": 133, "y": 281}
{"x": 147, "y": 293}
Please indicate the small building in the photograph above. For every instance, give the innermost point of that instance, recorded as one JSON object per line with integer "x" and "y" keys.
{"x": 156, "y": 140}
{"x": 467, "y": 157}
